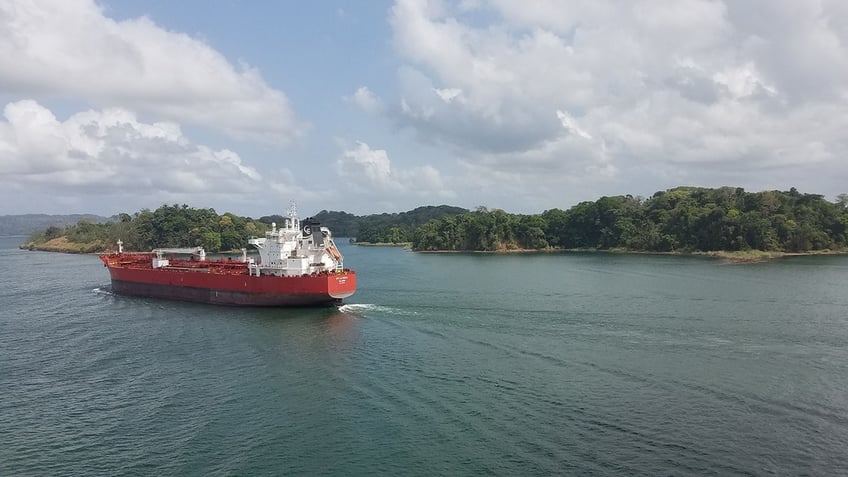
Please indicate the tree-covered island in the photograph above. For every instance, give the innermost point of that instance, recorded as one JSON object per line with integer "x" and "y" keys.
{"x": 683, "y": 219}
{"x": 679, "y": 220}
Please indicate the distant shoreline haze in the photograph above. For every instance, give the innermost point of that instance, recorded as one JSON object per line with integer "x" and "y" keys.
{"x": 682, "y": 219}
{"x": 26, "y": 224}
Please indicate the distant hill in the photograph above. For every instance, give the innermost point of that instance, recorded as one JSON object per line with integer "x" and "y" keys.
{"x": 348, "y": 225}
{"x": 344, "y": 224}
{"x": 27, "y": 224}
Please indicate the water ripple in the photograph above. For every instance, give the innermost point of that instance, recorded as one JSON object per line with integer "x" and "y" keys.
{"x": 589, "y": 365}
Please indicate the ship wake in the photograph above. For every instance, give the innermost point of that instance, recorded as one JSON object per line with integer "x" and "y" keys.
{"x": 365, "y": 309}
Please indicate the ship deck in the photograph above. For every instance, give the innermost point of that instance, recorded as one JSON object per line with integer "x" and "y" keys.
{"x": 217, "y": 266}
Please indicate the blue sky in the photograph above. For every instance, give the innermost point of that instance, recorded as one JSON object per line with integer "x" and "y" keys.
{"x": 117, "y": 105}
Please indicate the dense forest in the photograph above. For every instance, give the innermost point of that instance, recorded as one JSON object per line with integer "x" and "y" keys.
{"x": 184, "y": 226}
{"x": 378, "y": 228}
{"x": 167, "y": 226}
{"x": 684, "y": 219}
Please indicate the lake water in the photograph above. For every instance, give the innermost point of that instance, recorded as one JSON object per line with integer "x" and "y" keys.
{"x": 441, "y": 364}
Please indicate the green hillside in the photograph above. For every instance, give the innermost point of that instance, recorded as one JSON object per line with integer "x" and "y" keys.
{"x": 683, "y": 219}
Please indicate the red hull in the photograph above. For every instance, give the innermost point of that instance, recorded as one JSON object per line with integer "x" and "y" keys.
{"x": 225, "y": 283}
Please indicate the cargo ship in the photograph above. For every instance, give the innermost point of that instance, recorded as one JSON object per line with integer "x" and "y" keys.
{"x": 298, "y": 265}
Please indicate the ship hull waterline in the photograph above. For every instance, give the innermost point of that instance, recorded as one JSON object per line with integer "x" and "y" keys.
{"x": 322, "y": 289}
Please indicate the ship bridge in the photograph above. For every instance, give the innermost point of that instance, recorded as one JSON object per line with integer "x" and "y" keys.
{"x": 297, "y": 248}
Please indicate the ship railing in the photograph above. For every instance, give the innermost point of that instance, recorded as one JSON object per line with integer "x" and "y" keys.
{"x": 253, "y": 269}
{"x": 199, "y": 251}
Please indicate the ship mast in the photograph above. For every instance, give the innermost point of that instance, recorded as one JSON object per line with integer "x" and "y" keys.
{"x": 294, "y": 224}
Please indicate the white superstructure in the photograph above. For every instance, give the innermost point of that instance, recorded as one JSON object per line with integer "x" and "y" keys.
{"x": 295, "y": 249}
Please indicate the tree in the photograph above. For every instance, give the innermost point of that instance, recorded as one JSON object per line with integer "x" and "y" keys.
{"x": 842, "y": 201}
{"x": 211, "y": 241}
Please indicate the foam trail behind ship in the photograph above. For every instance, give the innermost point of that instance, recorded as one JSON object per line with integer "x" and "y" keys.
{"x": 363, "y": 309}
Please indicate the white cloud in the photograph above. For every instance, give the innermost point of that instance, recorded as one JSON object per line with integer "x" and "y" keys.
{"x": 369, "y": 166}
{"x": 448, "y": 94}
{"x": 366, "y": 100}
{"x": 743, "y": 81}
{"x": 599, "y": 89}
{"x": 111, "y": 152}
{"x": 69, "y": 48}
{"x": 571, "y": 126}
{"x": 369, "y": 171}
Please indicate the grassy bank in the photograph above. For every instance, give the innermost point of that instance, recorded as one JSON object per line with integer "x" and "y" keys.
{"x": 61, "y": 244}
{"x": 747, "y": 256}
{"x": 384, "y": 244}
{"x": 754, "y": 256}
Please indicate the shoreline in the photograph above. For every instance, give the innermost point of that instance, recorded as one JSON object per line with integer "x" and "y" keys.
{"x": 740, "y": 257}
{"x": 383, "y": 244}
{"x": 63, "y": 246}
{"x": 737, "y": 257}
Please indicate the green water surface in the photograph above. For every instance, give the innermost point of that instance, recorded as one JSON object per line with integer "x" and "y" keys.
{"x": 441, "y": 364}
